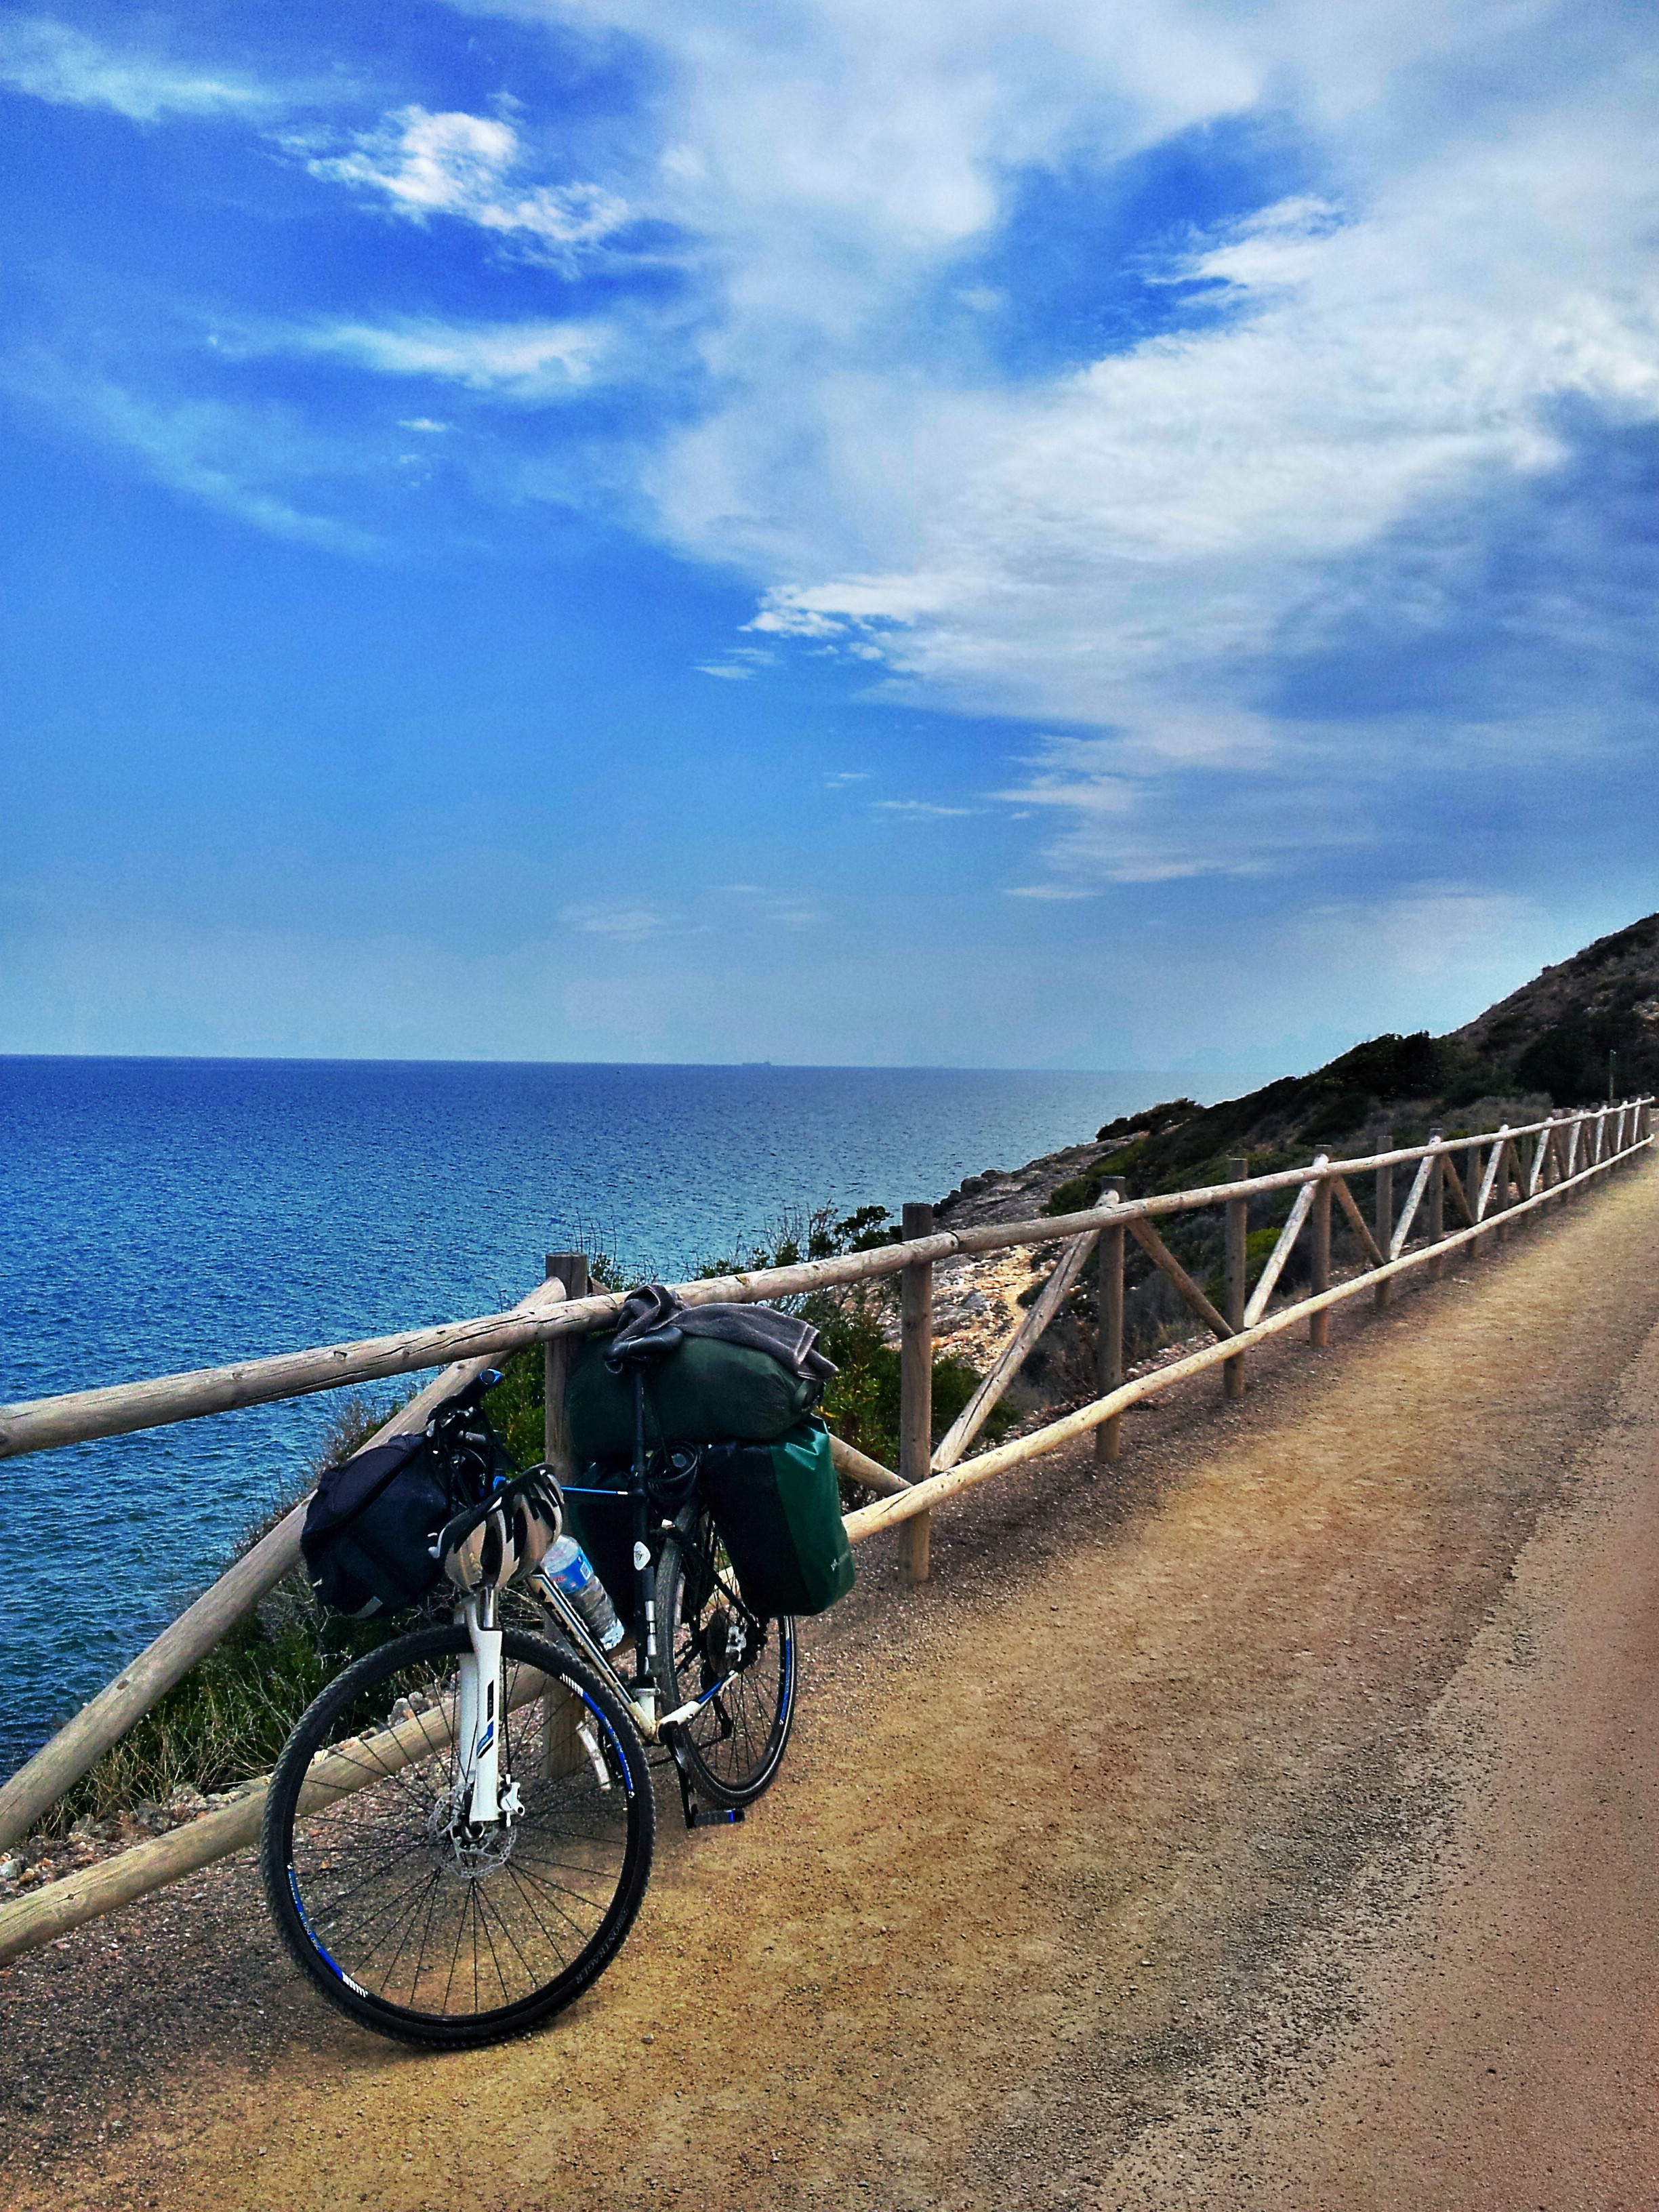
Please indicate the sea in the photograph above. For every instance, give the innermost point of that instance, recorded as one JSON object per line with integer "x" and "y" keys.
{"x": 166, "y": 1214}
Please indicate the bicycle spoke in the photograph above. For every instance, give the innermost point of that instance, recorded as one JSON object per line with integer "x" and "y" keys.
{"x": 525, "y": 1870}
{"x": 430, "y": 1900}
{"x": 494, "y": 1904}
{"x": 550, "y": 1937}
{"x": 364, "y": 1940}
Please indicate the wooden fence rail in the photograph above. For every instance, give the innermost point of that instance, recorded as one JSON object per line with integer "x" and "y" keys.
{"x": 1566, "y": 1153}
{"x": 43, "y": 1423}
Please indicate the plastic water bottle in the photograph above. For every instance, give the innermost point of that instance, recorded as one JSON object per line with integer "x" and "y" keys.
{"x": 568, "y": 1568}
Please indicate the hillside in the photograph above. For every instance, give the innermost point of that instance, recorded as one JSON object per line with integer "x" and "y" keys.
{"x": 1554, "y": 1033}
{"x": 1546, "y": 1045}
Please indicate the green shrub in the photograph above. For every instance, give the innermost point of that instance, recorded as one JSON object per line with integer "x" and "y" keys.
{"x": 861, "y": 1404}
{"x": 227, "y": 1719}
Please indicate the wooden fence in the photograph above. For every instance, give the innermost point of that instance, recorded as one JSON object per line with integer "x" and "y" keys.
{"x": 1506, "y": 1176}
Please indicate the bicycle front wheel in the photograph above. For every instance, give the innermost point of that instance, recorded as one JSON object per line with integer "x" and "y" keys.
{"x": 741, "y": 1669}
{"x": 412, "y": 1918}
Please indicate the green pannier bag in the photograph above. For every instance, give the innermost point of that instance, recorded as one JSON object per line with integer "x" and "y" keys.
{"x": 709, "y": 1391}
{"x": 777, "y": 1506}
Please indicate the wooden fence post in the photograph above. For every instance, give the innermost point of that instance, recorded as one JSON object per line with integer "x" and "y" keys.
{"x": 1238, "y": 1256}
{"x": 1319, "y": 1324}
{"x": 1436, "y": 1210}
{"x": 1472, "y": 1174}
{"x": 571, "y": 1268}
{"x": 1109, "y": 1337}
{"x": 1382, "y": 1213}
{"x": 915, "y": 1389}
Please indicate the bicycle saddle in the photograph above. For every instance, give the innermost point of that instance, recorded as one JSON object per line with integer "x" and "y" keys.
{"x": 645, "y": 1351}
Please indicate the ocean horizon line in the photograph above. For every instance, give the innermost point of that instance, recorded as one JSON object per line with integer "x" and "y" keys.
{"x": 458, "y": 1060}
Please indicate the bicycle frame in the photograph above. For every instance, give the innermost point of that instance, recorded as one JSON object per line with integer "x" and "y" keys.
{"x": 638, "y": 1695}
{"x": 479, "y": 1703}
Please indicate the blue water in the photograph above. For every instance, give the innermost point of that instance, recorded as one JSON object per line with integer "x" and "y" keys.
{"x": 168, "y": 1214}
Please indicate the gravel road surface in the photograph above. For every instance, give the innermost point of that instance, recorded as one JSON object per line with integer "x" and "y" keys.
{"x": 1272, "y": 1822}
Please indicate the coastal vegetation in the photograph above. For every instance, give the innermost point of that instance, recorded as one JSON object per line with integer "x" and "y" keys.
{"x": 854, "y": 1322}
{"x": 230, "y": 1715}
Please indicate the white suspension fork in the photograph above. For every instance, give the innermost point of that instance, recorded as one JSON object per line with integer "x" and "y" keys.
{"x": 480, "y": 1718}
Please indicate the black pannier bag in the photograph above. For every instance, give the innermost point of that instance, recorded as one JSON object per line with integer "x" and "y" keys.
{"x": 369, "y": 1530}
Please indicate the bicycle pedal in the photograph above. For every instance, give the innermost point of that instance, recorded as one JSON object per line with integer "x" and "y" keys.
{"x": 714, "y": 1816}
{"x": 704, "y": 1816}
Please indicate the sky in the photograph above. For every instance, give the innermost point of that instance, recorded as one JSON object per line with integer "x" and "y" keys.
{"x": 1057, "y": 535}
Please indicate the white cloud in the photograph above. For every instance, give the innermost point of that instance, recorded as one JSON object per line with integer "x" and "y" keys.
{"x": 627, "y": 924}
{"x": 1124, "y": 542}
{"x": 263, "y": 465}
{"x": 518, "y": 360}
{"x": 1113, "y": 544}
{"x": 52, "y": 62}
{"x": 466, "y": 166}
{"x": 741, "y": 662}
{"x": 920, "y": 808}
{"x": 1120, "y": 543}
{"x": 1427, "y": 932}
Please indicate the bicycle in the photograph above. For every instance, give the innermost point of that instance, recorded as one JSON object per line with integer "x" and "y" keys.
{"x": 459, "y": 1830}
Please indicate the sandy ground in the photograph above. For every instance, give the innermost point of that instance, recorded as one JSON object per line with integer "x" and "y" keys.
{"x": 1270, "y": 1822}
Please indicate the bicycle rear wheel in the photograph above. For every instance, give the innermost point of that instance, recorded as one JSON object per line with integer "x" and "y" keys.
{"x": 406, "y": 1916}
{"x": 711, "y": 1647}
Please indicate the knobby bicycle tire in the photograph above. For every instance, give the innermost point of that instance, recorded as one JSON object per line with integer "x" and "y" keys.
{"x": 734, "y": 1744}
{"x": 408, "y": 1920}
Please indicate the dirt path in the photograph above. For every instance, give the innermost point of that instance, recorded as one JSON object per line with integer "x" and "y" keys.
{"x": 1201, "y": 1836}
